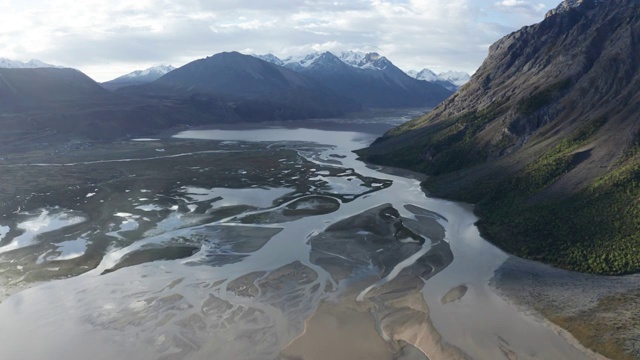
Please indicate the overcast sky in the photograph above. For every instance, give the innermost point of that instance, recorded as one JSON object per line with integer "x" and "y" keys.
{"x": 107, "y": 38}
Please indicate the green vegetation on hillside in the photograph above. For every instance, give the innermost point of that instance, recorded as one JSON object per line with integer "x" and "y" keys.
{"x": 576, "y": 232}
{"x": 536, "y": 101}
{"x": 452, "y": 143}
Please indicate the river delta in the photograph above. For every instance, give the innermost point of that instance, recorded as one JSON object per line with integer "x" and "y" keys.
{"x": 251, "y": 243}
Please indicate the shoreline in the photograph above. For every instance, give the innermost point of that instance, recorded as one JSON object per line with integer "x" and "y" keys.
{"x": 547, "y": 293}
{"x": 537, "y": 316}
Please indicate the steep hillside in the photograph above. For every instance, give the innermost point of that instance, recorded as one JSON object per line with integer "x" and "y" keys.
{"x": 28, "y": 87}
{"x": 545, "y": 139}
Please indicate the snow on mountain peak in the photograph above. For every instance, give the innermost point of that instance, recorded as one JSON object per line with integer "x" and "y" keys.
{"x": 31, "y": 64}
{"x": 457, "y": 78}
{"x": 352, "y": 58}
{"x": 154, "y": 71}
{"x": 270, "y": 58}
{"x": 357, "y": 59}
{"x": 426, "y": 75}
{"x": 302, "y": 61}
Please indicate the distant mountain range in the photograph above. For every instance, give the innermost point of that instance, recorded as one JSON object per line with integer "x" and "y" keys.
{"x": 31, "y": 64}
{"x": 370, "y": 78}
{"x": 226, "y": 87}
{"x": 256, "y": 89}
{"x": 138, "y": 77}
{"x": 451, "y": 80}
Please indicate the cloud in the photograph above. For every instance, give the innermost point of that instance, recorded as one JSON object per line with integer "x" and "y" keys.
{"x": 106, "y": 38}
{"x": 521, "y": 6}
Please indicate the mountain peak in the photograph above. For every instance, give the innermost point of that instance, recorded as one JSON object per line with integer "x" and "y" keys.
{"x": 375, "y": 61}
{"x": 352, "y": 58}
{"x": 372, "y": 56}
{"x": 451, "y": 80}
{"x": 457, "y": 78}
{"x": 138, "y": 77}
{"x": 270, "y": 58}
{"x": 327, "y": 62}
{"x": 426, "y": 75}
{"x": 566, "y": 5}
{"x": 31, "y": 64}
{"x": 154, "y": 71}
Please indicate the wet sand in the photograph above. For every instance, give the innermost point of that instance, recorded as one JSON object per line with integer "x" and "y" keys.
{"x": 600, "y": 312}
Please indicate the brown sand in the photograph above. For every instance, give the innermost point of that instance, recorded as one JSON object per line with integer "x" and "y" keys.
{"x": 338, "y": 332}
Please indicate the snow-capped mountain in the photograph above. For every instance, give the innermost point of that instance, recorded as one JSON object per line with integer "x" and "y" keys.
{"x": 457, "y": 78}
{"x": 369, "y": 78}
{"x": 451, "y": 80}
{"x": 352, "y": 58}
{"x": 270, "y": 58}
{"x": 31, "y": 64}
{"x": 152, "y": 72}
{"x": 297, "y": 63}
{"x": 357, "y": 59}
{"x": 138, "y": 77}
{"x": 425, "y": 74}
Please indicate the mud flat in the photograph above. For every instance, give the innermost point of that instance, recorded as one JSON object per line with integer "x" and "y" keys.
{"x": 601, "y": 312}
{"x": 386, "y": 320}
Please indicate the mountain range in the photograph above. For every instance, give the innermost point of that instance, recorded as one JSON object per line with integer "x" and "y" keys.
{"x": 370, "y": 78}
{"x": 138, "y": 77}
{"x": 257, "y": 90}
{"x": 31, "y": 64}
{"x": 544, "y": 139}
{"x": 332, "y": 85}
{"x": 451, "y": 80}
{"x": 226, "y": 87}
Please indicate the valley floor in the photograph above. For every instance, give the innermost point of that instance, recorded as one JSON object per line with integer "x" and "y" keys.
{"x": 146, "y": 206}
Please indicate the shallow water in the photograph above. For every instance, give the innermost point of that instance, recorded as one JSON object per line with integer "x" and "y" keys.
{"x": 256, "y": 275}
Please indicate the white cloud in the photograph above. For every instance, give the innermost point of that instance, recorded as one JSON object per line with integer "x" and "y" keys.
{"x": 106, "y": 38}
{"x": 521, "y": 6}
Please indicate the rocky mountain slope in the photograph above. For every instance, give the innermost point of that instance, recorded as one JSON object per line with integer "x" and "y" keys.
{"x": 138, "y": 77}
{"x": 545, "y": 139}
{"x": 371, "y": 79}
